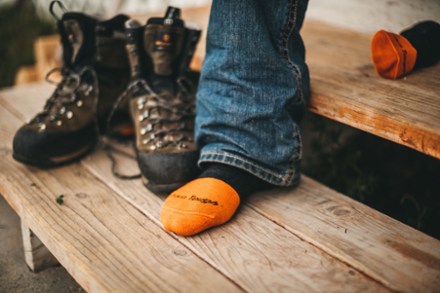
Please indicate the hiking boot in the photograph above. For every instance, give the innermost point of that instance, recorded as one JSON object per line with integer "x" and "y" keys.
{"x": 162, "y": 99}
{"x": 95, "y": 72}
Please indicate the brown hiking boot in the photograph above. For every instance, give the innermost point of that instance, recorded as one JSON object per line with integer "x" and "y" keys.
{"x": 94, "y": 74}
{"x": 162, "y": 100}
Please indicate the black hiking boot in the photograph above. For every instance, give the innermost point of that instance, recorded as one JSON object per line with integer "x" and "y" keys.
{"x": 162, "y": 100}
{"x": 95, "y": 72}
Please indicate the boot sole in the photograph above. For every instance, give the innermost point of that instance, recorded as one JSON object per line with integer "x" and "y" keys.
{"x": 54, "y": 161}
{"x": 162, "y": 189}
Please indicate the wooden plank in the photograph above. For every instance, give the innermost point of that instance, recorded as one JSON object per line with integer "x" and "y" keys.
{"x": 36, "y": 255}
{"x": 350, "y": 231}
{"x": 297, "y": 211}
{"x": 102, "y": 241}
{"x": 396, "y": 255}
{"x": 373, "y": 15}
{"x": 255, "y": 253}
{"x": 345, "y": 88}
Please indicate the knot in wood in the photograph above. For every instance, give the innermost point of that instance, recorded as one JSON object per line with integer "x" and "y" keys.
{"x": 339, "y": 211}
{"x": 180, "y": 252}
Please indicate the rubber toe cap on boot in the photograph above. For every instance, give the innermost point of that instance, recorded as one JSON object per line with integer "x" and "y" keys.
{"x": 48, "y": 149}
{"x": 166, "y": 172}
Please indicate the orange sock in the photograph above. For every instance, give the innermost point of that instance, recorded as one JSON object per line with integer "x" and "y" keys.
{"x": 393, "y": 55}
{"x": 201, "y": 204}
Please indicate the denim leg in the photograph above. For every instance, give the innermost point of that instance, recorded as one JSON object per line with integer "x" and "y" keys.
{"x": 253, "y": 89}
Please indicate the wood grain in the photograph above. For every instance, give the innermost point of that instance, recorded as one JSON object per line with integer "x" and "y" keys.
{"x": 396, "y": 255}
{"x": 386, "y": 250}
{"x": 102, "y": 241}
{"x": 251, "y": 251}
{"x": 345, "y": 88}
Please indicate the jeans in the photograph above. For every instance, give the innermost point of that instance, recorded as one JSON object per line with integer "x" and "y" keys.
{"x": 253, "y": 89}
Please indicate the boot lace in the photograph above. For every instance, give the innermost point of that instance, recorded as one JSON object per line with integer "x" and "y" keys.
{"x": 180, "y": 109}
{"x": 65, "y": 94}
{"x": 152, "y": 128}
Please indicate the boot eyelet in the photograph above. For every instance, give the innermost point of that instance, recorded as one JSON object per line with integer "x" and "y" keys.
{"x": 79, "y": 103}
{"x": 143, "y": 131}
{"x": 88, "y": 90}
{"x": 42, "y": 127}
{"x": 59, "y": 123}
{"x": 141, "y": 117}
{"x": 63, "y": 110}
{"x": 69, "y": 115}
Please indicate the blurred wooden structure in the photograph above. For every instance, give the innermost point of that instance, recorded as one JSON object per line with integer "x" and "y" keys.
{"x": 47, "y": 52}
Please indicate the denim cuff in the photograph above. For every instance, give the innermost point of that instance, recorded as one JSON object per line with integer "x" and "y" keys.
{"x": 288, "y": 178}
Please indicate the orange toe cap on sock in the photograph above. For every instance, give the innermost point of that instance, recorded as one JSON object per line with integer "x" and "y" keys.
{"x": 392, "y": 54}
{"x": 199, "y": 205}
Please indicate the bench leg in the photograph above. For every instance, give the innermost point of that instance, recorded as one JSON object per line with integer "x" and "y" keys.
{"x": 36, "y": 255}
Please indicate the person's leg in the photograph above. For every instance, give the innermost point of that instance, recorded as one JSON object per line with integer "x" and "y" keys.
{"x": 252, "y": 94}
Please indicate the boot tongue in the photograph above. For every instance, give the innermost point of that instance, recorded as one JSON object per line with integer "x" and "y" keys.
{"x": 77, "y": 37}
{"x": 163, "y": 42}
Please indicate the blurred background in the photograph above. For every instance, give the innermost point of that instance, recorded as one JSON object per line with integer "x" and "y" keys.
{"x": 23, "y": 21}
{"x": 393, "y": 179}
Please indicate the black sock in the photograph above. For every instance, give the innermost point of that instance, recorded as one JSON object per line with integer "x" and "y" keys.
{"x": 242, "y": 181}
{"x": 425, "y": 38}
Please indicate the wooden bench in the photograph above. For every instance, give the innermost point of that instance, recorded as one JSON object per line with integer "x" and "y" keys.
{"x": 108, "y": 236}
{"x": 346, "y": 88}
